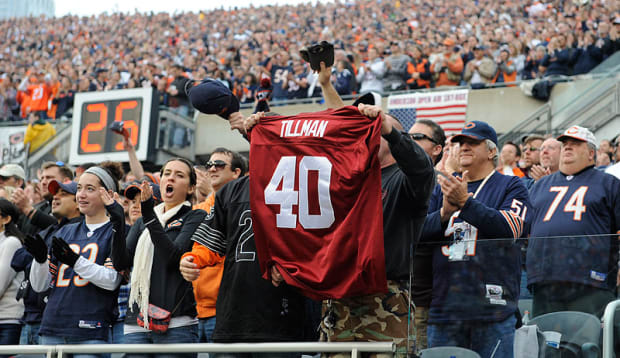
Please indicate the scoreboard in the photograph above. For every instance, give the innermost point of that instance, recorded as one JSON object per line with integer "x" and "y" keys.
{"x": 93, "y": 112}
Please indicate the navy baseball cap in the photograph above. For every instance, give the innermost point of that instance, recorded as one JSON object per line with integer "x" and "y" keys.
{"x": 133, "y": 188}
{"x": 371, "y": 98}
{"x": 212, "y": 97}
{"x": 477, "y": 130}
{"x": 69, "y": 186}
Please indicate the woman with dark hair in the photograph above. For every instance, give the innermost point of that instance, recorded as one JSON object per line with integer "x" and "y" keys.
{"x": 11, "y": 310}
{"x": 82, "y": 303}
{"x": 152, "y": 250}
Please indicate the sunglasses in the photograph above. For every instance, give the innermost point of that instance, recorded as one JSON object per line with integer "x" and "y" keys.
{"x": 420, "y": 136}
{"x": 218, "y": 164}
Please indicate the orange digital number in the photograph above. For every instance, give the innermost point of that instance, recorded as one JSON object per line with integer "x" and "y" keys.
{"x": 130, "y": 125}
{"x": 94, "y": 127}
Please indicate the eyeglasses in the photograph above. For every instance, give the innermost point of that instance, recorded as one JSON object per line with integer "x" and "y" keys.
{"x": 218, "y": 164}
{"x": 532, "y": 149}
{"x": 420, "y": 136}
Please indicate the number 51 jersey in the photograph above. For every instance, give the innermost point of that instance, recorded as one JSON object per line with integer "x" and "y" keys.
{"x": 315, "y": 190}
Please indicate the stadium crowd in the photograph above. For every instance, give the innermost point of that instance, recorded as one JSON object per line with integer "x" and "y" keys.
{"x": 381, "y": 46}
{"x": 96, "y": 255}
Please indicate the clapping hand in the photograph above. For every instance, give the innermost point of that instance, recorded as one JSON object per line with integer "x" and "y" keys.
{"x": 36, "y": 247}
{"x": 63, "y": 252}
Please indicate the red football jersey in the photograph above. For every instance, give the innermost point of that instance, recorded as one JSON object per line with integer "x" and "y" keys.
{"x": 315, "y": 195}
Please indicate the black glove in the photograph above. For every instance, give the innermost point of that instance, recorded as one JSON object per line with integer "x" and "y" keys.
{"x": 63, "y": 252}
{"x": 36, "y": 246}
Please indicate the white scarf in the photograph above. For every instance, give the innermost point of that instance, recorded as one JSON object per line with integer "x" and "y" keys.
{"x": 143, "y": 262}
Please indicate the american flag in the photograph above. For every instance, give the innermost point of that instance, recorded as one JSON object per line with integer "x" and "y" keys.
{"x": 448, "y": 109}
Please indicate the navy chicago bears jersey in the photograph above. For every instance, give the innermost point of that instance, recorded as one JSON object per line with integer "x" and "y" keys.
{"x": 315, "y": 188}
{"x": 249, "y": 308}
{"x": 476, "y": 269}
{"x": 574, "y": 217}
{"x": 77, "y": 308}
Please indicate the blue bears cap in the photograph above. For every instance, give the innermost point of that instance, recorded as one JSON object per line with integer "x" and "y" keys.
{"x": 212, "y": 97}
{"x": 477, "y": 130}
{"x": 68, "y": 186}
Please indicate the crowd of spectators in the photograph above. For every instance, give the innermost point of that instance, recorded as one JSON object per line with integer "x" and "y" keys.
{"x": 381, "y": 46}
{"x": 150, "y": 234}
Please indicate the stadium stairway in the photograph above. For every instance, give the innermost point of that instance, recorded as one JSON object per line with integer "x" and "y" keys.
{"x": 592, "y": 102}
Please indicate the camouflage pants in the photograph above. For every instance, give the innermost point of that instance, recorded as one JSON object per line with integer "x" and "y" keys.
{"x": 372, "y": 318}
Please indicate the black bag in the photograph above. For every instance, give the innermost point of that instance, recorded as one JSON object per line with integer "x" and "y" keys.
{"x": 542, "y": 90}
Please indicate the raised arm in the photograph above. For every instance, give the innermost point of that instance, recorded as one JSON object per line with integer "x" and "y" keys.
{"x": 134, "y": 164}
{"x": 331, "y": 96}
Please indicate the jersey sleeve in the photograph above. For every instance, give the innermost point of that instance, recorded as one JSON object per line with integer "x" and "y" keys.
{"x": 505, "y": 222}
{"x": 415, "y": 163}
{"x": 203, "y": 257}
{"x": 124, "y": 247}
{"x": 101, "y": 276}
{"x": 40, "y": 275}
{"x": 212, "y": 231}
{"x": 433, "y": 228}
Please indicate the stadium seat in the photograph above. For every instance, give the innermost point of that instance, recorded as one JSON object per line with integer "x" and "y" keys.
{"x": 581, "y": 332}
{"x": 443, "y": 352}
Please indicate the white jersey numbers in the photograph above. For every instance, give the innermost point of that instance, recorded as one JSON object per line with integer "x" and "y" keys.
{"x": 574, "y": 204}
{"x": 286, "y": 196}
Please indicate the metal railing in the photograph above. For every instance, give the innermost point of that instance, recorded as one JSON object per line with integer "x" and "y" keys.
{"x": 355, "y": 348}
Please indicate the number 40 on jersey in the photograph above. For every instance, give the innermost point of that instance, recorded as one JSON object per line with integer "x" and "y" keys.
{"x": 287, "y": 197}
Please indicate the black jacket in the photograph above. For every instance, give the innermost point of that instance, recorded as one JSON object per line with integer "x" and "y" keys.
{"x": 168, "y": 287}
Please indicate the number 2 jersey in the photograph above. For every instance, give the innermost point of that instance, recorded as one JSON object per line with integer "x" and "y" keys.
{"x": 315, "y": 187}
{"x": 573, "y": 219}
{"x": 248, "y": 308}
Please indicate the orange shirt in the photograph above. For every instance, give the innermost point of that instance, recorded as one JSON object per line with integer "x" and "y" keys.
{"x": 24, "y": 99}
{"x": 51, "y": 112}
{"x": 515, "y": 171}
{"x": 40, "y": 95}
{"x": 207, "y": 286}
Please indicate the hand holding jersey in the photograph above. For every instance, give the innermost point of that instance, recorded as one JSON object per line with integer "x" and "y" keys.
{"x": 373, "y": 111}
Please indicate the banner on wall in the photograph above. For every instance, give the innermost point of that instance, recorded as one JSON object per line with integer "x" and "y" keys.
{"x": 447, "y": 108}
{"x": 12, "y": 144}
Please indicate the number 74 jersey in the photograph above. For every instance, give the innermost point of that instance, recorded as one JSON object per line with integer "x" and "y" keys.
{"x": 573, "y": 229}
{"x": 315, "y": 194}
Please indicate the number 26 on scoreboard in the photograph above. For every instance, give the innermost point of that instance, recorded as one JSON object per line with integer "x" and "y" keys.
{"x": 100, "y": 110}
{"x": 287, "y": 196}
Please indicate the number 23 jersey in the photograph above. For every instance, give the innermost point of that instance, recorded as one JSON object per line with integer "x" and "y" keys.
{"x": 315, "y": 187}
{"x": 585, "y": 209}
